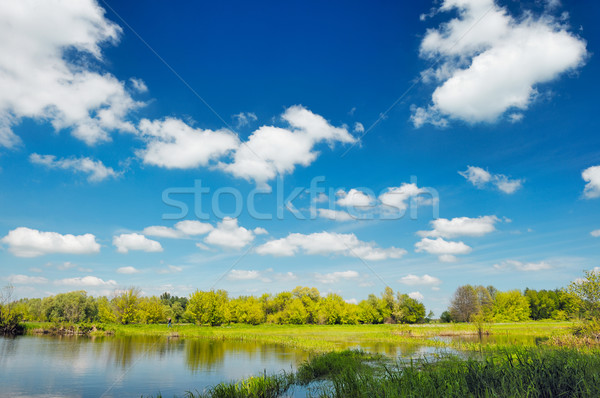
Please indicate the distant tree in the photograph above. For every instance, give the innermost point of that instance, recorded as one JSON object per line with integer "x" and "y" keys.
{"x": 368, "y": 312}
{"x": 587, "y": 289}
{"x": 408, "y": 310}
{"x": 464, "y": 303}
{"x": 446, "y": 317}
{"x": 210, "y": 307}
{"x": 511, "y": 306}
{"x": 150, "y": 310}
{"x": 126, "y": 305}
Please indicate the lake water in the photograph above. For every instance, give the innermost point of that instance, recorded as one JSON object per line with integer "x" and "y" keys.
{"x": 50, "y": 366}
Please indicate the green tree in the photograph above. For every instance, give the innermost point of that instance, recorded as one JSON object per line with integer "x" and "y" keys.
{"x": 408, "y": 310}
{"x": 511, "y": 306}
{"x": 210, "y": 307}
{"x": 587, "y": 289}
{"x": 126, "y": 305}
{"x": 464, "y": 303}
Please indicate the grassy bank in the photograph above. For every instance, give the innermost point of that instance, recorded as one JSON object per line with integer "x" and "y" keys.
{"x": 322, "y": 338}
{"x": 531, "y": 372}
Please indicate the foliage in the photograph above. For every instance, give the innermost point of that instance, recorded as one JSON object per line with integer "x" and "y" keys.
{"x": 587, "y": 289}
{"x": 10, "y": 317}
{"x": 208, "y": 308}
{"x": 510, "y": 306}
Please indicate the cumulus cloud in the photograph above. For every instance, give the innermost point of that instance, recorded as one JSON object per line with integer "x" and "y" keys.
{"x": 27, "y": 242}
{"x": 26, "y": 280}
{"x": 49, "y": 60}
{"x": 359, "y": 128}
{"x": 95, "y": 169}
{"x": 482, "y": 178}
{"x": 520, "y": 266}
{"x": 354, "y": 198}
{"x": 138, "y": 85}
{"x": 445, "y": 250}
{"x": 491, "y": 62}
{"x": 126, "y": 242}
{"x": 127, "y": 270}
{"x": 270, "y": 150}
{"x": 461, "y": 226}
{"x": 416, "y": 296}
{"x": 396, "y": 198}
{"x": 412, "y": 280}
{"x": 173, "y": 144}
{"x": 595, "y": 233}
{"x": 335, "y": 277}
{"x": 336, "y": 215}
{"x": 591, "y": 175}
{"x": 91, "y": 281}
{"x": 230, "y": 235}
{"x": 327, "y": 243}
{"x": 182, "y": 229}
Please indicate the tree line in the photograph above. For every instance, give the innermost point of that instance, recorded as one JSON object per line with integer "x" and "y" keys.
{"x": 581, "y": 299}
{"x": 302, "y": 305}
{"x": 305, "y": 305}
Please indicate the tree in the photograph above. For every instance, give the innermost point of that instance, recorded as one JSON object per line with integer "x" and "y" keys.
{"x": 464, "y": 304}
{"x": 408, "y": 310}
{"x": 126, "y": 305}
{"x": 511, "y": 306}
{"x": 210, "y": 307}
{"x": 587, "y": 289}
{"x": 446, "y": 317}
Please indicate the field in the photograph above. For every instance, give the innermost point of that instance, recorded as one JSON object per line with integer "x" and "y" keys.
{"x": 323, "y": 338}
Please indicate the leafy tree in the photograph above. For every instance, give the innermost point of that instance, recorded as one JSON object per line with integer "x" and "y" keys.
{"x": 511, "y": 306}
{"x": 106, "y": 311}
{"x": 587, "y": 289}
{"x": 446, "y": 317}
{"x": 150, "y": 310}
{"x": 408, "y": 310}
{"x": 126, "y": 305}
{"x": 368, "y": 312}
{"x": 210, "y": 307}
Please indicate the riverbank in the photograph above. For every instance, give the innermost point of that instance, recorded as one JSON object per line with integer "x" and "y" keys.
{"x": 324, "y": 338}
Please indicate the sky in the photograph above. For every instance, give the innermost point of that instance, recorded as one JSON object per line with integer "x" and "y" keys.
{"x": 256, "y": 147}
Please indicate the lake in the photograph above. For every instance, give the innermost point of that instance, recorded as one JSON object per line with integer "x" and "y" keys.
{"x": 55, "y": 366}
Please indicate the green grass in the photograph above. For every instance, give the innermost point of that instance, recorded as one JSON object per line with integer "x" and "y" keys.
{"x": 520, "y": 372}
{"x": 323, "y": 338}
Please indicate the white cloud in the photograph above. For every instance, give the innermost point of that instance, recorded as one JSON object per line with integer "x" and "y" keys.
{"x": 416, "y": 296}
{"x": 26, "y": 242}
{"x": 95, "y": 169}
{"x": 182, "y": 229}
{"x": 445, "y": 250}
{"x": 274, "y": 150}
{"x": 412, "y": 280}
{"x": 515, "y": 117}
{"x": 86, "y": 281}
{"x": 126, "y": 242}
{"x": 481, "y": 178}
{"x": 461, "y": 226}
{"x": 171, "y": 269}
{"x": 163, "y": 232}
{"x": 66, "y": 265}
{"x": 138, "y": 85}
{"x": 359, "y": 128}
{"x": 173, "y": 144}
{"x": 325, "y": 243}
{"x": 491, "y": 62}
{"x": 286, "y": 277}
{"x": 335, "y": 277}
{"x": 595, "y": 233}
{"x": 321, "y": 198}
{"x": 26, "y": 280}
{"x": 49, "y": 60}
{"x": 354, "y": 198}
{"x": 336, "y": 215}
{"x": 352, "y": 301}
{"x": 229, "y": 235}
{"x": 127, "y": 270}
{"x": 244, "y": 118}
{"x": 238, "y": 274}
{"x": 520, "y": 266}
{"x": 591, "y": 175}
{"x": 396, "y": 198}
{"x": 260, "y": 231}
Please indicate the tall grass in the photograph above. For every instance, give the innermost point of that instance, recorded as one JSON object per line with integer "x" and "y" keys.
{"x": 523, "y": 372}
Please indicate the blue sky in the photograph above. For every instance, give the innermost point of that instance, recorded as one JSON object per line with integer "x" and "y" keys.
{"x": 451, "y": 142}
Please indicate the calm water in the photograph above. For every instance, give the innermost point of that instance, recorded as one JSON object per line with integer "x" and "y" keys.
{"x": 46, "y": 366}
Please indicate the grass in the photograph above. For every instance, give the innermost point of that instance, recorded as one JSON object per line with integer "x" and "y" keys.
{"x": 520, "y": 372}
{"x": 324, "y": 338}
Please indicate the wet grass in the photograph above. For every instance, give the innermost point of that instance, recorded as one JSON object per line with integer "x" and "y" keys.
{"x": 323, "y": 338}
{"x": 521, "y": 372}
